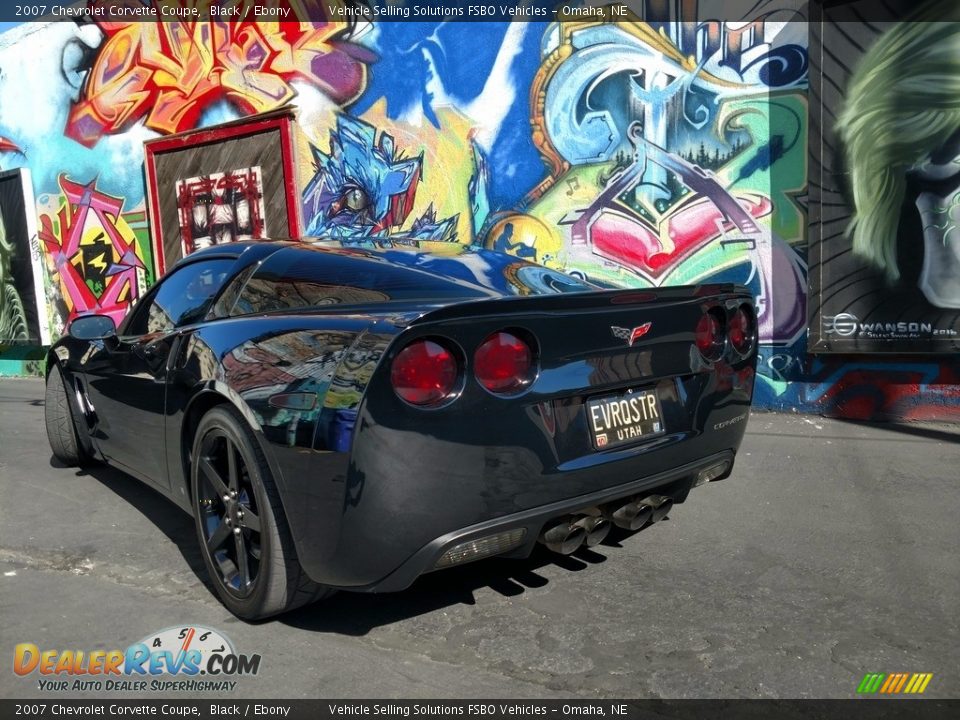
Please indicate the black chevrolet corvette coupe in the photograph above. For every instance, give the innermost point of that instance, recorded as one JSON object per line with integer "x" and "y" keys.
{"x": 341, "y": 418}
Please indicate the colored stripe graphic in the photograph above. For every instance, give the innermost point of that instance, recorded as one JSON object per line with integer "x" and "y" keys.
{"x": 891, "y": 680}
{"x": 894, "y": 683}
{"x": 870, "y": 683}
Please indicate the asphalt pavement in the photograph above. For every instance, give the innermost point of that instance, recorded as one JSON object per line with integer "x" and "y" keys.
{"x": 830, "y": 553}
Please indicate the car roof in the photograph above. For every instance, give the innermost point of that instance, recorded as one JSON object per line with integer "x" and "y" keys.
{"x": 232, "y": 249}
{"x": 267, "y": 246}
{"x": 481, "y": 268}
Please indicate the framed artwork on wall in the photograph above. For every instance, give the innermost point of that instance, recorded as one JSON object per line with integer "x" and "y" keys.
{"x": 224, "y": 183}
{"x": 884, "y": 241}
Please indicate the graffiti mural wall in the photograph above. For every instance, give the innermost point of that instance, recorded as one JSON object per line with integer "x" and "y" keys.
{"x": 88, "y": 96}
{"x": 668, "y": 148}
{"x": 663, "y": 158}
{"x": 94, "y": 256}
{"x": 23, "y": 316}
{"x": 636, "y": 154}
{"x": 885, "y": 212}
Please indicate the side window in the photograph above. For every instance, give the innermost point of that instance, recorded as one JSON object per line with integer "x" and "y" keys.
{"x": 183, "y": 297}
{"x": 294, "y": 278}
{"x": 264, "y": 294}
{"x": 228, "y": 298}
{"x": 289, "y": 280}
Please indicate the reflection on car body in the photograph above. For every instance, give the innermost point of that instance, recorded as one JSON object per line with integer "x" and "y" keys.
{"x": 353, "y": 418}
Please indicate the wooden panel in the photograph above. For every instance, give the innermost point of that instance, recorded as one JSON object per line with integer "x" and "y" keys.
{"x": 262, "y": 149}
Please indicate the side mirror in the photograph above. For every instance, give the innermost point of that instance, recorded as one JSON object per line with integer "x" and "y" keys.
{"x": 93, "y": 327}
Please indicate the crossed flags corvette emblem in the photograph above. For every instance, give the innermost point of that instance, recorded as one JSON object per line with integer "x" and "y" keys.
{"x": 630, "y": 335}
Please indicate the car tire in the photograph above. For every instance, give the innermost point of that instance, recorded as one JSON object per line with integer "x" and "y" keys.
{"x": 242, "y": 529}
{"x": 58, "y": 417}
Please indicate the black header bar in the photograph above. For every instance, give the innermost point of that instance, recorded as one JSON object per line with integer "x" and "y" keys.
{"x": 360, "y": 11}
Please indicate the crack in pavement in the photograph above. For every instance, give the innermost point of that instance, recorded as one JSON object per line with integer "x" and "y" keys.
{"x": 157, "y": 582}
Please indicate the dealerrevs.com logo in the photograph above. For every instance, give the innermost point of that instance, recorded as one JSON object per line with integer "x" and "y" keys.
{"x": 189, "y": 658}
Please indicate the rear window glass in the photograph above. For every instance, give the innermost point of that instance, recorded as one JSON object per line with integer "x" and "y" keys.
{"x": 293, "y": 278}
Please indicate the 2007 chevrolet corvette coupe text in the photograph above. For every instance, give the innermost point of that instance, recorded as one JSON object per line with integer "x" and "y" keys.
{"x": 351, "y": 419}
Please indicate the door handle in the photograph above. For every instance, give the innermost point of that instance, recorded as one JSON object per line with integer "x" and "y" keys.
{"x": 153, "y": 352}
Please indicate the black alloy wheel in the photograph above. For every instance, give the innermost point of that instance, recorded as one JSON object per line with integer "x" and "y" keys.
{"x": 243, "y": 532}
{"x": 229, "y": 512}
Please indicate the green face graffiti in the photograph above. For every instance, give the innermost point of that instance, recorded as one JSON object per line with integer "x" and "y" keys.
{"x": 902, "y": 105}
{"x": 13, "y": 319}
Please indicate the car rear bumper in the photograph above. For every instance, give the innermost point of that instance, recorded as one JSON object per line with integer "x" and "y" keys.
{"x": 343, "y": 543}
{"x": 377, "y": 517}
{"x": 674, "y": 482}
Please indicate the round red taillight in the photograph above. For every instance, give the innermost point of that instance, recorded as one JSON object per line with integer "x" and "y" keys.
{"x": 709, "y": 335}
{"x": 503, "y": 363}
{"x": 424, "y": 373}
{"x": 741, "y": 330}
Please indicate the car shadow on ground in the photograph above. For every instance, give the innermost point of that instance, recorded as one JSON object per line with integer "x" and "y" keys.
{"x": 172, "y": 521}
{"x": 356, "y": 614}
{"x": 20, "y": 401}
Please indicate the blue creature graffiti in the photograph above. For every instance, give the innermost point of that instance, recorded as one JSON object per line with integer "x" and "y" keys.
{"x": 364, "y": 189}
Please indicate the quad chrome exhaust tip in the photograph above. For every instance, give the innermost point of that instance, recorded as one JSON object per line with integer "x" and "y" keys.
{"x": 563, "y": 536}
{"x": 662, "y": 506}
{"x": 637, "y": 513}
{"x": 596, "y": 527}
{"x": 632, "y": 516}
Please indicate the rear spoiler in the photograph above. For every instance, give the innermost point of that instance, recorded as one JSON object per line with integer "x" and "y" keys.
{"x": 582, "y": 301}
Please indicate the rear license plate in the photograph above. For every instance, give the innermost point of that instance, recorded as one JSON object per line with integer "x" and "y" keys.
{"x": 623, "y": 419}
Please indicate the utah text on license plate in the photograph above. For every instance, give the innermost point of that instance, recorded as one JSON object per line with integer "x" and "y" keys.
{"x": 622, "y": 419}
